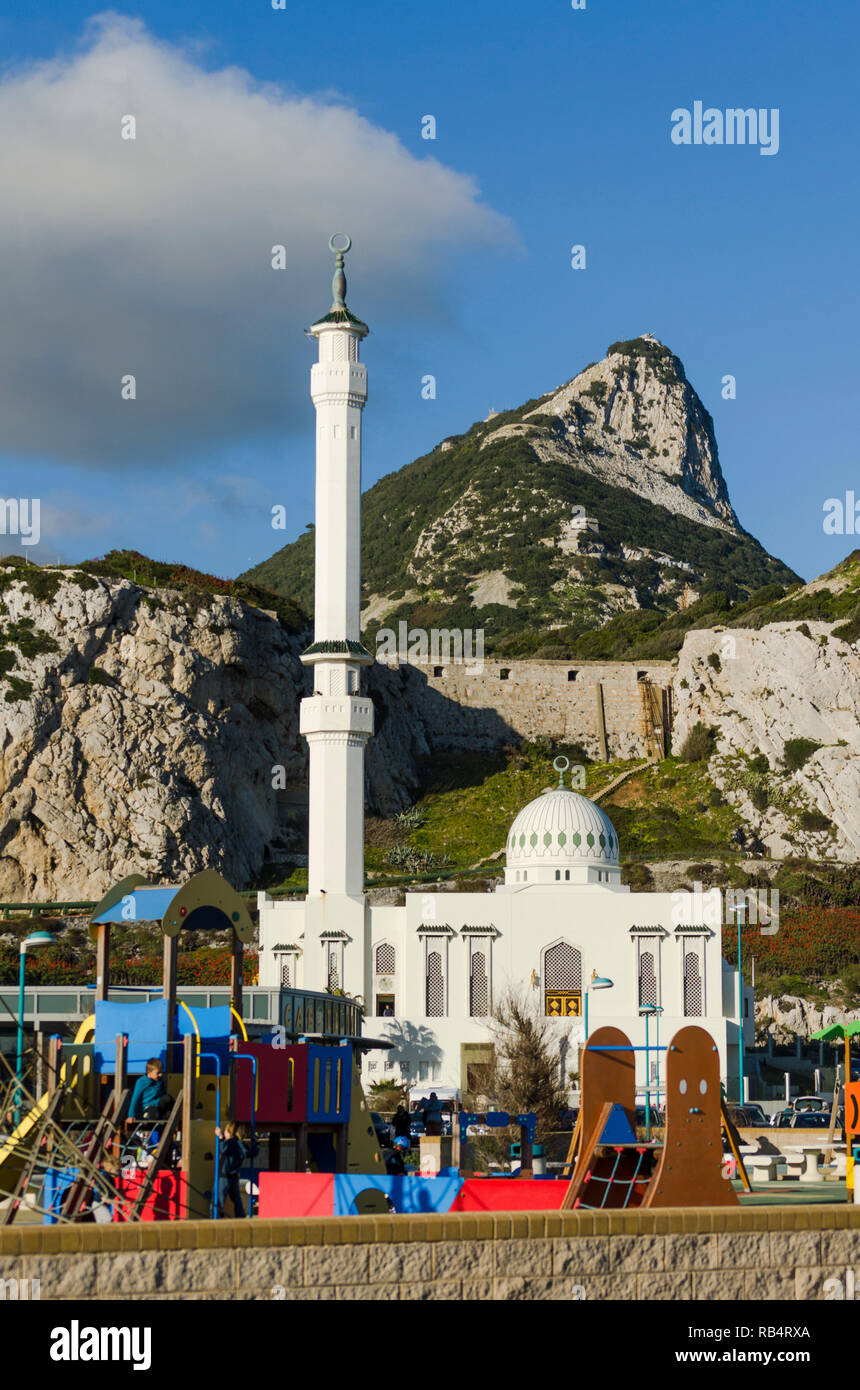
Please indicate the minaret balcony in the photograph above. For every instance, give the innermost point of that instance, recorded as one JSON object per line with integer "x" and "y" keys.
{"x": 339, "y": 381}
{"x": 335, "y": 714}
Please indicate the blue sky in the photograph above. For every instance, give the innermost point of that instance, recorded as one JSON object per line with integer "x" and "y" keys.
{"x": 552, "y": 129}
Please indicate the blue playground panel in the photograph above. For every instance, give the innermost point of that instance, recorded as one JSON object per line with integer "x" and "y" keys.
{"x": 56, "y": 1184}
{"x": 142, "y": 905}
{"x": 329, "y": 1084}
{"x": 411, "y": 1195}
{"x": 146, "y": 1026}
{"x": 214, "y": 1025}
{"x": 618, "y": 1129}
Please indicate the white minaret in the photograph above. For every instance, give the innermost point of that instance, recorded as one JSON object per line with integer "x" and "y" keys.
{"x": 336, "y": 720}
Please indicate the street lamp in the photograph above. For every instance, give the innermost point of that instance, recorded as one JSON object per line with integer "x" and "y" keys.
{"x": 646, "y": 1013}
{"x": 738, "y": 909}
{"x": 597, "y": 982}
{"x": 36, "y": 938}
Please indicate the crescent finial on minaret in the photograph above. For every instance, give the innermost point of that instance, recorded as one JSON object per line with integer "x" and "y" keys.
{"x": 338, "y": 283}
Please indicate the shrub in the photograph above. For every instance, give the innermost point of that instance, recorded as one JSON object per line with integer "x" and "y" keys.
{"x": 796, "y": 751}
{"x": 814, "y": 820}
{"x": 760, "y": 765}
{"x": 759, "y": 798}
{"x": 714, "y": 661}
{"x": 698, "y": 745}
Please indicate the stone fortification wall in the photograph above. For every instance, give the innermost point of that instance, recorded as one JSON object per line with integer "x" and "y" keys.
{"x": 607, "y": 707}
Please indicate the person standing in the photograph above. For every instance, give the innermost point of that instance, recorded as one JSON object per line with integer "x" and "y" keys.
{"x": 433, "y": 1116}
{"x": 234, "y": 1153}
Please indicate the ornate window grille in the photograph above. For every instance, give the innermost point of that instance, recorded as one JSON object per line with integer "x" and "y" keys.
{"x": 479, "y": 984}
{"x": 435, "y": 983}
{"x": 693, "y": 991}
{"x": 648, "y": 994}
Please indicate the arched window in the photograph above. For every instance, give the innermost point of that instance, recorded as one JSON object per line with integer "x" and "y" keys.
{"x": 385, "y": 962}
{"x": 386, "y": 959}
{"x": 479, "y": 991}
{"x": 334, "y": 965}
{"x": 647, "y": 981}
{"x": 435, "y": 984}
{"x": 692, "y": 984}
{"x": 562, "y": 980}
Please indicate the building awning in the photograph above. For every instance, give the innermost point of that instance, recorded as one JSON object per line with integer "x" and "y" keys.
{"x": 699, "y": 930}
{"x": 648, "y": 931}
{"x": 479, "y": 929}
{"x": 435, "y": 929}
{"x": 334, "y": 936}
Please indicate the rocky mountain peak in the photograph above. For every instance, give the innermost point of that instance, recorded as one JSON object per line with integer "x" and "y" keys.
{"x": 634, "y": 419}
{"x": 603, "y": 499}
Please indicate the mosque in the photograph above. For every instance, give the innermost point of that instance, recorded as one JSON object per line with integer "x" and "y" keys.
{"x": 562, "y": 928}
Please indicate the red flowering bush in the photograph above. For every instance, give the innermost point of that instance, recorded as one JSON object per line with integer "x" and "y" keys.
{"x": 54, "y": 965}
{"x": 815, "y": 942}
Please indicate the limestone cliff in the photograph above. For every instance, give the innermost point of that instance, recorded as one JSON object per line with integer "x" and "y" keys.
{"x": 154, "y": 731}
{"x": 784, "y": 702}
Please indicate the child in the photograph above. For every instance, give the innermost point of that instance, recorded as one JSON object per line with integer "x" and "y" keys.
{"x": 149, "y": 1099}
{"x": 234, "y": 1152}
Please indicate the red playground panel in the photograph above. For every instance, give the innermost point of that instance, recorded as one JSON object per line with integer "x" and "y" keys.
{"x": 166, "y": 1201}
{"x": 509, "y": 1194}
{"x": 281, "y": 1094}
{"x": 296, "y": 1194}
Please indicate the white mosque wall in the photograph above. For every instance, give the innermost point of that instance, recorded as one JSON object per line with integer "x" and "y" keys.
{"x": 595, "y": 920}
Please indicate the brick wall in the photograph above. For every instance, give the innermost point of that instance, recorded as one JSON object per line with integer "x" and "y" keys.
{"x": 781, "y": 1253}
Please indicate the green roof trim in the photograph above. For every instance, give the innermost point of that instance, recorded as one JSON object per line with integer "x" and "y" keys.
{"x": 648, "y": 931}
{"x": 343, "y": 316}
{"x": 702, "y": 930}
{"x": 435, "y": 929}
{"x": 343, "y": 647}
{"x": 479, "y": 930}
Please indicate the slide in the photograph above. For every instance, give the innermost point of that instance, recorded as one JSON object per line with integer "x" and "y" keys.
{"x": 11, "y": 1148}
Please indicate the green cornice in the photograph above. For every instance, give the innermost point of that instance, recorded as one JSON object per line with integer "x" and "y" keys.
{"x": 343, "y": 647}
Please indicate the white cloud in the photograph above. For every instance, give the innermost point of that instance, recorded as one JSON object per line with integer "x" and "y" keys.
{"x": 153, "y": 256}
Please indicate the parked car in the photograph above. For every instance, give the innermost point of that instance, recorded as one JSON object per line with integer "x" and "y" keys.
{"x": 416, "y": 1130}
{"x": 748, "y": 1116}
{"x": 756, "y": 1115}
{"x": 801, "y": 1119}
{"x": 384, "y": 1131}
{"x": 812, "y": 1103}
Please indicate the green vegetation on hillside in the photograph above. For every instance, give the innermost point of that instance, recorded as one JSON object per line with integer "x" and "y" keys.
{"x": 194, "y": 587}
{"x": 522, "y": 499}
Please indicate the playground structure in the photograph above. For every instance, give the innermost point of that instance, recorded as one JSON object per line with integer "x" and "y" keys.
{"x": 609, "y": 1166}
{"x": 97, "y": 1163}
{"x": 613, "y": 1167}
